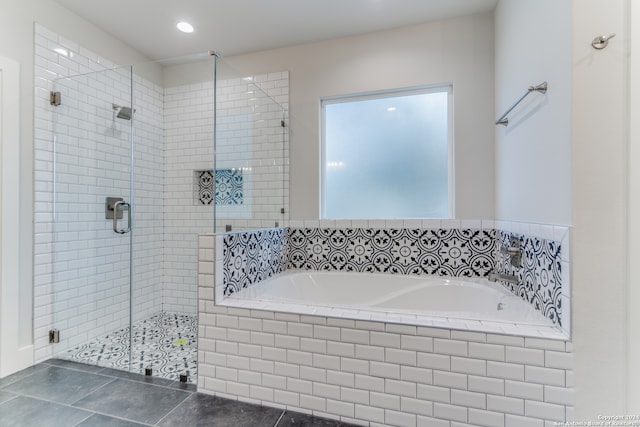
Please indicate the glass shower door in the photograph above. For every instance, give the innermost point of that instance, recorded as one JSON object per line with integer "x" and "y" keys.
{"x": 92, "y": 238}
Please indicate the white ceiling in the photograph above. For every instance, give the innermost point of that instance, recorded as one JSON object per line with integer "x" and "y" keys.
{"x": 234, "y": 27}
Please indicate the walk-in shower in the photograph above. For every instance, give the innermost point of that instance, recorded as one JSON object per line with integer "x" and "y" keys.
{"x": 125, "y": 286}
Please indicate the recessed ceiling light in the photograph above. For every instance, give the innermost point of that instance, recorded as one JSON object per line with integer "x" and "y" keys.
{"x": 391, "y": 109}
{"x": 185, "y": 27}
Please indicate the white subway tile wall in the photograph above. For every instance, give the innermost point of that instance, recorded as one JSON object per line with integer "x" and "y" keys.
{"x": 188, "y": 147}
{"x": 379, "y": 373}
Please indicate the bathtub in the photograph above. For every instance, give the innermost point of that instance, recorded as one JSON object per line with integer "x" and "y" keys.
{"x": 431, "y": 300}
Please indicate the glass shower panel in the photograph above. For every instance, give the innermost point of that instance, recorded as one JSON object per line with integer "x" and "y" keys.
{"x": 127, "y": 298}
{"x": 92, "y": 217}
{"x": 251, "y": 150}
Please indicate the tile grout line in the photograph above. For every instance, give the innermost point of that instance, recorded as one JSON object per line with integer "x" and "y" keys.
{"x": 62, "y": 403}
{"x": 14, "y": 397}
{"x": 174, "y": 408}
{"x": 70, "y": 405}
{"x": 112, "y": 416}
{"x": 27, "y": 376}
{"x": 91, "y": 392}
{"x": 168, "y": 387}
{"x": 280, "y": 418}
{"x": 92, "y": 411}
{"x": 113, "y": 378}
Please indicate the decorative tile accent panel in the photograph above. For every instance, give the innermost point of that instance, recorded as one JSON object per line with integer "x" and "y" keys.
{"x": 229, "y": 187}
{"x": 204, "y": 187}
{"x": 252, "y": 256}
{"x": 225, "y": 184}
{"x": 445, "y": 252}
{"x": 540, "y": 277}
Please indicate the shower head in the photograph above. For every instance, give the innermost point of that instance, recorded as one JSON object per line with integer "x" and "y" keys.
{"x": 123, "y": 112}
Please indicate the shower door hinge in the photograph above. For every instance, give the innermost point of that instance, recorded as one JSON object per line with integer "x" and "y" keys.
{"x": 55, "y": 98}
{"x": 282, "y": 123}
{"x": 54, "y": 336}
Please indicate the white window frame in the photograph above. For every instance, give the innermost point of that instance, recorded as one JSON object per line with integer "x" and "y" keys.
{"x": 418, "y": 90}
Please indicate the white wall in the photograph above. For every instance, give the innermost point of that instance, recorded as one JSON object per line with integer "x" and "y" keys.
{"x": 570, "y": 159}
{"x": 599, "y": 125}
{"x": 188, "y": 145}
{"x": 633, "y": 397}
{"x": 16, "y": 349}
{"x": 533, "y": 154}
{"x": 458, "y": 51}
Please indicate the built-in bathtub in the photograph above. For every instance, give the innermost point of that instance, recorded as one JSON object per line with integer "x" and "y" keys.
{"x": 367, "y": 365}
{"x": 463, "y": 303}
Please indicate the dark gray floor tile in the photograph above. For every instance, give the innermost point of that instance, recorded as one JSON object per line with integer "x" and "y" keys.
{"x": 133, "y": 400}
{"x": 98, "y": 420}
{"x": 211, "y": 411}
{"x": 58, "y": 384}
{"x": 73, "y": 365}
{"x": 21, "y": 374}
{"x": 184, "y": 386}
{"x": 296, "y": 419}
{"x": 116, "y": 373}
{"x": 27, "y": 412}
{"x": 5, "y": 395}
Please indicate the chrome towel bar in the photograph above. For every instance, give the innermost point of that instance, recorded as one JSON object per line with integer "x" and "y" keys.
{"x": 504, "y": 120}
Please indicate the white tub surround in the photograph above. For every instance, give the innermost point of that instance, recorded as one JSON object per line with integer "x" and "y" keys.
{"x": 470, "y": 249}
{"x": 464, "y": 298}
{"x": 464, "y": 304}
{"x": 376, "y": 372}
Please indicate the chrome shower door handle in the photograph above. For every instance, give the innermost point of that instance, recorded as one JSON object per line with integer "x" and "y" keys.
{"x": 123, "y": 206}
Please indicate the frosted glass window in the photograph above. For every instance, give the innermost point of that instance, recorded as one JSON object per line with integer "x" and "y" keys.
{"x": 387, "y": 155}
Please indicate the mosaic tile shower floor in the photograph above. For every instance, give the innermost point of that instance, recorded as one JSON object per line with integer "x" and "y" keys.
{"x": 166, "y": 342}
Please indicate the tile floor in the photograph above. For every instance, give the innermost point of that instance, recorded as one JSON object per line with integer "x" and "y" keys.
{"x": 60, "y": 393}
{"x": 166, "y": 342}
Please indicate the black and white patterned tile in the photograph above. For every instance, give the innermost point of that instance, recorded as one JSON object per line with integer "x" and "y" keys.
{"x": 228, "y": 187}
{"x": 166, "y": 342}
{"x": 250, "y": 257}
{"x": 205, "y": 181}
{"x": 222, "y": 186}
{"x": 539, "y": 276}
{"x": 448, "y": 252}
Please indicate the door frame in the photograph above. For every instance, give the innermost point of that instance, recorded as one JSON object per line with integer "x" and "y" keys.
{"x": 633, "y": 328}
{"x": 16, "y": 338}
